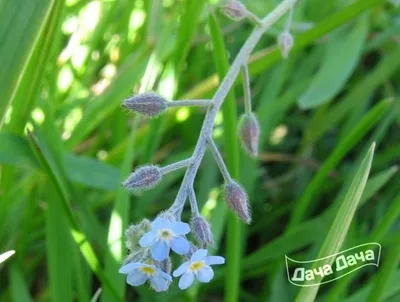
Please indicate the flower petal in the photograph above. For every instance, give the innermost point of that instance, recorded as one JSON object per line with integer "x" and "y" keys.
{"x": 127, "y": 268}
{"x": 180, "y": 245}
{"x": 211, "y": 260}
{"x": 158, "y": 283}
{"x": 136, "y": 278}
{"x": 186, "y": 280}
{"x": 160, "y": 250}
{"x": 180, "y": 228}
{"x": 160, "y": 223}
{"x": 200, "y": 254}
{"x": 181, "y": 270}
{"x": 148, "y": 239}
{"x": 164, "y": 274}
{"x": 205, "y": 274}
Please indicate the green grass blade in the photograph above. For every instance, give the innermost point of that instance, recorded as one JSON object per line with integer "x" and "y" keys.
{"x": 19, "y": 33}
{"x": 118, "y": 224}
{"x": 79, "y": 237}
{"x": 337, "y": 155}
{"x": 58, "y": 252}
{"x": 341, "y": 224}
{"x": 234, "y": 240}
{"x": 318, "y": 31}
{"x": 103, "y": 105}
{"x": 19, "y": 288}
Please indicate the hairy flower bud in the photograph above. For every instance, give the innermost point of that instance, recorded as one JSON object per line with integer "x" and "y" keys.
{"x": 285, "y": 42}
{"x": 234, "y": 10}
{"x": 134, "y": 256}
{"x": 236, "y": 198}
{"x": 168, "y": 215}
{"x": 165, "y": 265}
{"x": 149, "y": 104}
{"x": 143, "y": 178}
{"x": 202, "y": 231}
{"x": 249, "y": 131}
{"x": 135, "y": 232}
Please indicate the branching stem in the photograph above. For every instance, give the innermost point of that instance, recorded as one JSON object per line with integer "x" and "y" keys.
{"x": 220, "y": 95}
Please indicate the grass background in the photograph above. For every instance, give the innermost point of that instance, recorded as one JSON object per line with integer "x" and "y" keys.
{"x": 65, "y": 143}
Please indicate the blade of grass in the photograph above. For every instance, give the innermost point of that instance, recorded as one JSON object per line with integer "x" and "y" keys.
{"x": 341, "y": 224}
{"x": 78, "y": 236}
{"x": 318, "y": 31}
{"x": 20, "y": 31}
{"x": 231, "y": 148}
{"x": 18, "y": 286}
{"x": 58, "y": 251}
{"x": 130, "y": 72}
{"x": 336, "y": 156}
{"x": 358, "y": 95}
{"x": 118, "y": 224}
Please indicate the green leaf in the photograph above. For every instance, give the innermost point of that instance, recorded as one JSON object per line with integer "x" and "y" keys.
{"x": 341, "y": 224}
{"x": 91, "y": 172}
{"x": 21, "y": 23}
{"x": 343, "y": 54}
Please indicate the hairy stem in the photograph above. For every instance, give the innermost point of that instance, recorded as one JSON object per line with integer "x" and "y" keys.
{"x": 186, "y": 103}
{"x": 220, "y": 162}
{"x": 246, "y": 88}
{"x": 220, "y": 95}
{"x": 175, "y": 166}
{"x": 193, "y": 203}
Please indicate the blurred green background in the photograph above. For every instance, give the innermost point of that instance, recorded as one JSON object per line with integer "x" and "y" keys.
{"x": 65, "y": 143}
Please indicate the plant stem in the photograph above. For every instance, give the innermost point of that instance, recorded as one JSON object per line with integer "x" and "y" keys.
{"x": 175, "y": 166}
{"x": 193, "y": 203}
{"x": 246, "y": 88}
{"x": 219, "y": 160}
{"x": 186, "y": 103}
{"x": 222, "y": 92}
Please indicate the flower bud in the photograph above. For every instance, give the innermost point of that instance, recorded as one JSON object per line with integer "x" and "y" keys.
{"x": 165, "y": 265}
{"x": 202, "y": 231}
{"x": 236, "y": 198}
{"x": 170, "y": 216}
{"x": 143, "y": 178}
{"x": 234, "y": 10}
{"x": 134, "y": 256}
{"x": 135, "y": 232}
{"x": 149, "y": 104}
{"x": 285, "y": 42}
{"x": 249, "y": 131}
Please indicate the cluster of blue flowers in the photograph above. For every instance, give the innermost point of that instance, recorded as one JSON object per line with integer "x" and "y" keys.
{"x": 155, "y": 245}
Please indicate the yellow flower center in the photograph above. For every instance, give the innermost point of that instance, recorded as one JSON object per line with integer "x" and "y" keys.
{"x": 148, "y": 270}
{"x": 165, "y": 234}
{"x": 197, "y": 265}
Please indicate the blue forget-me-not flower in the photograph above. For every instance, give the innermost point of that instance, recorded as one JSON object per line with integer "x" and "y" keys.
{"x": 138, "y": 273}
{"x": 198, "y": 267}
{"x": 166, "y": 234}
